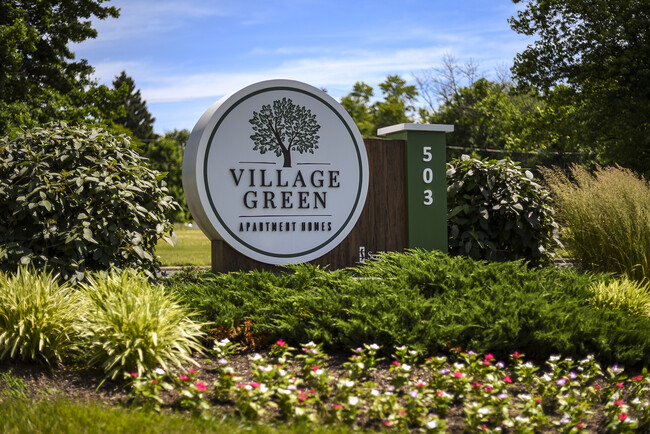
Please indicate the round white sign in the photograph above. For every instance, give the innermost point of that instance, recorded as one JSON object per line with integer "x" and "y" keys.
{"x": 278, "y": 170}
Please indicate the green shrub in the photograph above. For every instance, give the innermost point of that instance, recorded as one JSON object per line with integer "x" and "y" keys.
{"x": 607, "y": 218}
{"x": 134, "y": 326}
{"x": 498, "y": 212}
{"x": 427, "y": 300}
{"x": 76, "y": 199}
{"x": 622, "y": 294}
{"x": 37, "y": 316}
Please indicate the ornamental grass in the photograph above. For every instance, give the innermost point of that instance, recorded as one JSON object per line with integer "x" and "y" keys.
{"x": 607, "y": 218}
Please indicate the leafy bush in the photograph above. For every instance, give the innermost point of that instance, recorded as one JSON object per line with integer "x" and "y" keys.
{"x": 498, "y": 212}
{"x": 37, "y": 316}
{"x": 622, "y": 294}
{"x": 607, "y": 217}
{"x": 427, "y": 300}
{"x": 134, "y": 326}
{"x": 76, "y": 199}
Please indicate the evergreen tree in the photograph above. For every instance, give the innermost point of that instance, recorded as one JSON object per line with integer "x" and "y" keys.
{"x": 136, "y": 116}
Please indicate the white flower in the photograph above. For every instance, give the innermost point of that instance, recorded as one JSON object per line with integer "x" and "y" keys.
{"x": 263, "y": 388}
{"x": 282, "y": 372}
{"x": 284, "y": 391}
{"x": 353, "y": 400}
{"x": 222, "y": 361}
{"x": 432, "y": 424}
{"x": 405, "y": 367}
{"x": 348, "y": 383}
{"x": 554, "y": 358}
{"x": 413, "y": 394}
{"x": 483, "y": 410}
{"x": 374, "y": 392}
{"x": 159, "y": 371}
{"x": 224, "y": 341}
{"x": 373, "y": 347}
{"x": 318, "y": 372}
{"x": 256, "y": 357}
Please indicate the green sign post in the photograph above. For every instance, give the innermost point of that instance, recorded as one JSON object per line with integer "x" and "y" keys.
{"x": 426, "y": 182}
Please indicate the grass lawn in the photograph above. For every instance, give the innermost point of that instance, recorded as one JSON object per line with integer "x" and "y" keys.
{"x": 192, "y": 248}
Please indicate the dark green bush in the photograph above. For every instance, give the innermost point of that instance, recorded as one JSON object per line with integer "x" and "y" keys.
{"x": 76, "y": 199}
{"x": 429, "y": 301}
{"x": 498, "y": 212}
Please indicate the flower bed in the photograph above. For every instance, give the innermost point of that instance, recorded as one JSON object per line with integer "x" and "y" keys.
{"x": 463, "y": 391}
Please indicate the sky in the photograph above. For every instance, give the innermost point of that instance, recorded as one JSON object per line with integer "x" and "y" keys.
{"x": 184, "y": 55}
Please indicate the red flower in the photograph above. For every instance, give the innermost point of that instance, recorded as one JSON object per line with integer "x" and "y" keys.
{"x": 619, "y": 385}
{"x": 489, "y": 357}
{"x": 191, "y": 371}
{"x": 622, "y": 416}
{"x": 154, "y": 381}
{"x": 255, "y": 385}
{"x": 637, "y": 378}
{"x": 476, "y": 385}
{"x": 184, "y": 378}
{"x": 597, "y": 387}
{"x": 458, "y": 374}
{"x": 488, "y": 389}
{"x": 516, "y": 355}
{"x": 618, "y": 402}
{"x": 580, "y": 425}
{"x": 314, "y": 368}
{"x": 201, "y": 387}
{"x": 395, "y": 363}
{"x": 280, "y": 343}
{"x": 134, "y": 374}
{"x": 507, "y": 379}
{"x": 338, "y": 406}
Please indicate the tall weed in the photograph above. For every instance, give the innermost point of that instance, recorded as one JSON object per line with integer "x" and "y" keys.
{"x": 607, "y": 218}
{"x": 37, "y": 316}
{"x": 622, "y": 294}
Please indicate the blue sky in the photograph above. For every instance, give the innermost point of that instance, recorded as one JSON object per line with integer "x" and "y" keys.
{"x": 186, "y": 54}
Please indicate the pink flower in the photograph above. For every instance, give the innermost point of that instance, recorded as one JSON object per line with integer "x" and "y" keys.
{"x": 255, "y": 385}
{"x": 580, "y": 425}
{"x": 618, "y": 402}
{"x": 488, "y": 389}
{"x": 184, "y": 378}
{"x": 516, "y": 355}
{"x": 314, "y": 368}
{"x": 597, "y": 387}
{"x": 201, "y": 387}
{"x": 154, "y": 381}
{"x": 507, "y": 379}
{"x": 280, "y": 343}
{"x": 191, "y": 371}
{"x": 489, "y": 357}
{"x": 388, "y": 423}
{"x": 338, "y": 406}
{"x": 476, "y": 385}
{"x": 622, "y": 416}
{"x": 395, "y": 363}
{"x": 619, "y": 385}
{"x": 302, "y": 395}
{"x": 134, "y": 374}
{"x": 458, "y": 374}
{"x": 401, "y": 411}
{"x": 637, "y": 378}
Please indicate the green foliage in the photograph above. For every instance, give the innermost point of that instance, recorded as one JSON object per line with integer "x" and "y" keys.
{"x": 622, "y": 294}
{"x": 39, "y": 79}
{"x": 38, "y": 316}
{"x": 12, "y": 386}
{"x": 396, "y": 107}
{"x": 607, "y": 218}
{"x": 599, "y": 51}
{"x": 426, "y": 300}
{"x": 136, "y": 116}
{"x": 498, "y": 212}
{"x": 134, "y": 326}
{"x": 76, "y": 199}
{"x": 165, "y": 155}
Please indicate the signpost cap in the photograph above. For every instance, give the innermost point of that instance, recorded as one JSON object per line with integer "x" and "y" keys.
{"x": 438, "y": 128}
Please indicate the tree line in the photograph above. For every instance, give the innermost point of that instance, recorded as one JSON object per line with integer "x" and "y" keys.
{"x": 581, "y": 89}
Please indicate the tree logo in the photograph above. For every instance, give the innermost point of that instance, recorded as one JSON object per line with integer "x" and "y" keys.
{"x": 283, "y": 127}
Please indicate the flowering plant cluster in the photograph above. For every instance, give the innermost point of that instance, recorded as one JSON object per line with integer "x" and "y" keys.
{"x": 297, "y": 385}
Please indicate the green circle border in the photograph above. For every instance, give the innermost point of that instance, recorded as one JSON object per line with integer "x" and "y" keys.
{"x": 207, "y": 185}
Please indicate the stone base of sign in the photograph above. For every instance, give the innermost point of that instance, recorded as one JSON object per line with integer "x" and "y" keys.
{"x": 382, "y": 226}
